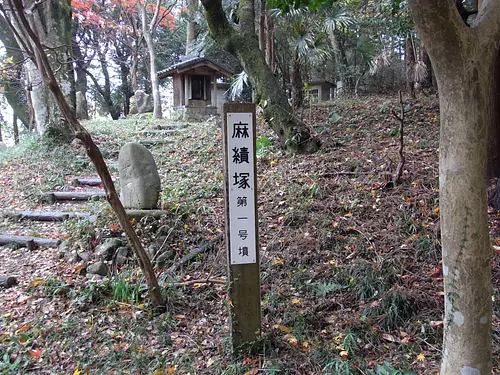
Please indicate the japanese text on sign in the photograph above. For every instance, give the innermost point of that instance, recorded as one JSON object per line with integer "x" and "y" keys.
{"x": 241, "y": 189}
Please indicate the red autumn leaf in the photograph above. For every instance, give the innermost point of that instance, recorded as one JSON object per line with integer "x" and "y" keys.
{"x": 35, "y": 353}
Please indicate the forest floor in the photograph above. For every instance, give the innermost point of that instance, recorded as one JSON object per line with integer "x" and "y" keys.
{"x": 350, "y": 265}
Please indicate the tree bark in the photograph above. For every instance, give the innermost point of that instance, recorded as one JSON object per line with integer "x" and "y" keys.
{"x": 297, "y": 84}
{"x": 147, "y": 31}
{"x": 52, "y": 23}
{"x": 13, "y": 88}
{"x": 494, "y": 129}
{"x": 93, "y": 152}
{"x": 410, "y": 66}
{"x": 15, "y": 128}
{"x": 270, "y": 50}
{"x": 192, "y": 6}
{"x": 463, "y": 59}
{"x": 262, "y": 26}
{"x": 293, "y": 134}
{"x": 424, "y": 56}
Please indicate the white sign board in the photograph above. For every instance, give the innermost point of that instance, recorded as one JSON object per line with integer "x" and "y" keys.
{"x": 241, "y": 188}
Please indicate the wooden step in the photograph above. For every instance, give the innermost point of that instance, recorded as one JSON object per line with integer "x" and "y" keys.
{"x": 29, "y": 241}
{"x": 168, "y": 127}
{"x": 159, "y": 133}
{"x": 154, "y": 142}
{"x": 54, "y": 196}
{"x": 137, "y": 214}
{"x": 89, "y": 181}
{"x": 45, "y": 216}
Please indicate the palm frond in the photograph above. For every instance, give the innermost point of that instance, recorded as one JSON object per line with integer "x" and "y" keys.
{"x": 383, "y": 59}
{"x": 420, "y": 72}
{"x": 238, "y": 84}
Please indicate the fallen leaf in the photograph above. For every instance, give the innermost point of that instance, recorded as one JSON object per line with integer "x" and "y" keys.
{"x": 283, "y": 328}
{"x": 24, "y": 328}
{"x": 344, "y": 355}
{"x": 210, "y": 362}
{"x": 79, "y": 267}
{"x": 292, "y": 340}
{"x": 36, "y": 282}
{"x": 389, "y": 337}
{"x": 306, "y": 346}
{"x": 35, "y": 353}
{"x": 254, "y": 371}
{"x": 277, "y": 261}
{"x": 179, "y": 317}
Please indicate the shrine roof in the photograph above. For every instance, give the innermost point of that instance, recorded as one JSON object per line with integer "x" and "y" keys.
{"x": 192, "y": 62}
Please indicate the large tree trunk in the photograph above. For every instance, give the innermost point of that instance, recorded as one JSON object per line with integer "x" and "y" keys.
{"x": 147, "y": 31}
{"x": 243, "y": 43}
{"x": 494, "y": 131}
{"x": 463, "y": 59}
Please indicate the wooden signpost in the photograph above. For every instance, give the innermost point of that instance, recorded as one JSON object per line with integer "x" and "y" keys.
{"x": 241, "y": 223}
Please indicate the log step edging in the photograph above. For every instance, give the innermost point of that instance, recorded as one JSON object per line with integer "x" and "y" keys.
{"x": 88, "y": 181}
{"x": 29, "y": 241}
{"x": 63, "y": 216}
{"x": 45, "y": 215}
{"x": 54, "y": 196}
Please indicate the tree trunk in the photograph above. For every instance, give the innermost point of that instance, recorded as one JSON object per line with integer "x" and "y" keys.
{"x": 192, "y": 6}
{"x": 105, "y": 91}
{"x": 410, "y": 66}
{"x": 93, "y": 152}
{"x": 297, "y": 84}
{"x": 15, "y": 128}
{"x": 270, "y": 50}
{"x": 13, "y": 88}
{"x": 424, "y": 56}
{"x": 155, "y": 82}
{"x": 494, "y": 129}
{"x": 262, "y": 27}
{"x": 293, "y": 134}
{"x": 463, "y": 59}
{"x": 81, "y": 81}
{"x": 122, "y": 60}
{"x": 52, "y": 21}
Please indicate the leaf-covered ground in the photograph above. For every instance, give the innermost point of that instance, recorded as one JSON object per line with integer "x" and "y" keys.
{"x": 350, "y": 265}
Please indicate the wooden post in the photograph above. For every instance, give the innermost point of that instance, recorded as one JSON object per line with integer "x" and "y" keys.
{"x": 214, "y": 92}
{"x": 242, "y": 224}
